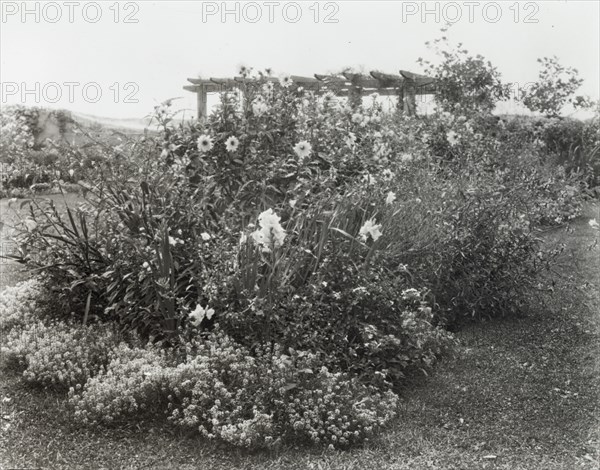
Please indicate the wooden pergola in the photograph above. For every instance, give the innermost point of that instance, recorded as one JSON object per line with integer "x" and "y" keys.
{"x": 405, "y": 85}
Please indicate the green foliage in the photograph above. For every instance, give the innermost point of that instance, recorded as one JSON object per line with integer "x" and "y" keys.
{"x": 554, "y": 89}
{"x": 463, "y": 80}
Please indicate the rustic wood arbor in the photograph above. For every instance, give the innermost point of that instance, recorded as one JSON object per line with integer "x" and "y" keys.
{"x": 406, "y": 86}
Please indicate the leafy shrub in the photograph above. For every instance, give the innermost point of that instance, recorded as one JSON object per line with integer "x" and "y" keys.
{"x": 554, "y": 89}
{"x": 462, "y": 80}
{"x": 575, "y": 145}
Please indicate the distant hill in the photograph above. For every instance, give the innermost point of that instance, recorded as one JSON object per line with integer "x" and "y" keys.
{"x": 132, "y": 124}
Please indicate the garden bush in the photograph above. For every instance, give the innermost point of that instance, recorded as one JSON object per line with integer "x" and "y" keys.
{"x": 289, "y": 261}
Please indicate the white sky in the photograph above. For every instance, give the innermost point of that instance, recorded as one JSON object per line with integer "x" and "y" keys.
{"x": 172, "y": 41}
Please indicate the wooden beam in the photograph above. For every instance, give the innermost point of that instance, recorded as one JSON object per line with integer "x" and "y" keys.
{"x": 330, "y": 78}
{"x": 197, "y": 81}
{"x": 304, "y": 80}
{"x": 388, "y": 80}
{"x": 411, "y": 75}
{"x": 209, "y": 88}
{"x": 361, "y": 80}
{"x": 419, "y": 80}
{"x": 224, "y": 81}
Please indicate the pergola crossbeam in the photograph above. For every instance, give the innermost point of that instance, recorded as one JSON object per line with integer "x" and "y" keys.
{"x": 406, "y": 86}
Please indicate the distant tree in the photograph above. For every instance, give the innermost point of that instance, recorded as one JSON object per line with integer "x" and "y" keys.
{"x": 555, "y": 88}
{"x": 463, "y": 80}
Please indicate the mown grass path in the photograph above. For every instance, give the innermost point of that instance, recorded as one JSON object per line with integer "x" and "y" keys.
{"x": 522, "y": 394}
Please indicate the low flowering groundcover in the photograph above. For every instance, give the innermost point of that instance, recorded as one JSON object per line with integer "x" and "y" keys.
{"x": 217, "y": 386}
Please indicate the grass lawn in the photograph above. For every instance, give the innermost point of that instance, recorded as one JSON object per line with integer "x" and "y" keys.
{"x": 522, "y": 394}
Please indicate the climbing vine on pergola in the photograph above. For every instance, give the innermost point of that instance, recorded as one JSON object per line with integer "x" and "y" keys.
{"x": 405, "y": 85}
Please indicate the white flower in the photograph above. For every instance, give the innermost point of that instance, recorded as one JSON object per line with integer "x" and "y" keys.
{"x": 350, "y": 140}
{"x": 406, "y": 157}
{"x": 267, "y": 88}
{"x": 259, "y": 107}
{"x": 302, "y": 149}
{"x": 71, "y": 172}
{"x": 200, "y": 314}
{"x": 370, "y": 228}
{"x": 175, "y": 241}
{"x": 232, "y": 144}
{"x": 30, "y": 224}
{"x": 388, "y": 174}
{"x": 391, "y": 197}
{"x": 271, "y": 233}
{"x": 285, "y": 81}
{"x": 381, "y": 151}
{"x": 369, "y": 179}
{"x": 329, "y": 98}
{"x": 292, "y": 203}
{"x": 594, "y": 224}
{"x": 357, "y": 118}
{"x": 452, "y": 137}
{"x": 448, "y": 116}
{"x": 411, "y": 294}
{"x": 205, "y": 236}
{"x": 205, "y": 143}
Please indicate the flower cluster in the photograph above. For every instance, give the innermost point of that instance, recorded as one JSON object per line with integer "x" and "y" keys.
{"x": 19, "y": 304}
{"x": 271, "y": 234}
{"x": 58, "y": 354}
{"x": 228, "y": 394}
{"x": 131, "y": 382}
{"x": 372, "y": 229}
{"x": 199, "y": 314}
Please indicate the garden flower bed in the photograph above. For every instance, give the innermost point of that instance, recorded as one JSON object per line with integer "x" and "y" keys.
{"x": 278, "y": 272}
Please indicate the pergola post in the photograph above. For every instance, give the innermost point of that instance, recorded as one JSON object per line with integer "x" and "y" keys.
{"x": 400, "y": 103}
{"x": 202, "y": 102}
{"x": 355, "y": 96}
{"x": 409, "y": 98}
